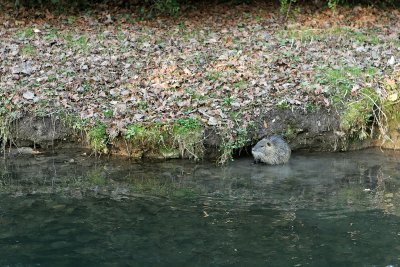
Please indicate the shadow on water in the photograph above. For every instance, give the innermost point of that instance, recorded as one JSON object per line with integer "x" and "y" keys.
{"x": 326, "y": 209}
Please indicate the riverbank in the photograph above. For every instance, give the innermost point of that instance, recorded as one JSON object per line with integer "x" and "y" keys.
{"x": 207, "y": 83}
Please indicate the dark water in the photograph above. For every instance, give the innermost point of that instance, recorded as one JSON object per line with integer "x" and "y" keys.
{"x": 320, "y": 210}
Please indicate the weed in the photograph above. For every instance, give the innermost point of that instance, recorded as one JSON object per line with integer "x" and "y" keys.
{"x": 28, "y": 49}
{"x": 144, "y": 138}
{"x": 227, "y": 101}
{"x": 188, "y": 136}
{"x": 166, "y": 140}
{"x": 340, "y": 81}
{"x": 26, "y": 33}
{"x": 76, "y": 43}
{"x": 283, "y": 104}
{"x": 233, "y": 141}
{"x": 51, "y": 35}
{"x": 73, "y": 121}
{"x": 242, "y": 84}
{"x": 357, "y": 114}
{"x": 96, "y": 177}
{"x": 97, "y": 138}
{"x": 108, "y": 113}
{"x": 71, "y": 19}
{"x": 213, "y": 76}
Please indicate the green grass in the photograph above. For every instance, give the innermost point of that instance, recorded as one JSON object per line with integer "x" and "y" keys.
{"x": 340, "y": 81}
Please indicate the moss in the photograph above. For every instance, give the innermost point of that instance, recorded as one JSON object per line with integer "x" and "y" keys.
{"x": 97, "y": 138}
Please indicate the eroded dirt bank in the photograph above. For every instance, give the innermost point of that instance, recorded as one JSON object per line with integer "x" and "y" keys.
{"x": 209, "y": 82}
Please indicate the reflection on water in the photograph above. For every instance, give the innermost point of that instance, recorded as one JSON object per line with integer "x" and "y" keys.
{"x": 319, "y": 210}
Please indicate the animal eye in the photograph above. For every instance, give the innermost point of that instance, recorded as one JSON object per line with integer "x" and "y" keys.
{"x": 268, "y": 144}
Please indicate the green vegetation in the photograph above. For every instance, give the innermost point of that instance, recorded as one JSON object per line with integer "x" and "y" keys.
{"x": 144, "y": 138}
{"x": 188, "y": 137}
{"x": 183, "y": 137}
{"x": 340, "y": 82}
{"x": 26, "y": 33}
{"x": 97, "y": 138}
{"x": 358, "y": 113}
{"x": 283, "y": 104}
{"x": 96, "y": 177}
{"x": 213, "y": 76}
{"x": 76, "y": 42}
{"x": 233, "y": 140}
{"x": 28, "y": 49}
{"x": 389, "y": 115}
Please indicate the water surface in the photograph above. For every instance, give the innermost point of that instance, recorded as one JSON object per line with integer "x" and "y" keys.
{"x": 322, "y": 209}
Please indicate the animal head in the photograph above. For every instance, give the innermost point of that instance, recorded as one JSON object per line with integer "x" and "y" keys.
{"x": 271, "y": 150}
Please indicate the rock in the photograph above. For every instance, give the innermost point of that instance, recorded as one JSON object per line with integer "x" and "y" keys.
{"x": 25, "y": 68}
{"x": 139, "y": 117}
{"x": 391, "y": 61}
{"x": 212, "y": 121}
{"x": 28, "y": 95}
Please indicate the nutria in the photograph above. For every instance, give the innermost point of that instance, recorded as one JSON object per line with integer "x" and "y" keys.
{"x": 272, "y": 150}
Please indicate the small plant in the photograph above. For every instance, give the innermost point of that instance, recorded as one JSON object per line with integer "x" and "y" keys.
{"x": 144, "y": 138}
{"x": 71, "y": 19}
{"x": 233, "y": 141}
{"x": 76, "y": 43}
{"x": 28, "y": 49}
{"x": 51, "y": 35}
{"x": 357, "y": 114}
{"x": 97, "y": 137}
{"x": 240, "y": 84}
{"x": 26, "y": 33}
{"x": 142, "y": 105}
{"x": 227, "y": 101}
{"x": 283, "y": 104}
{"x": 108, "y": 113}
{"x": 188, "y": 136}
{"x": 96, "y": 177}
{"x": 213, "y": 76}
{"x": 73, "y": 121}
